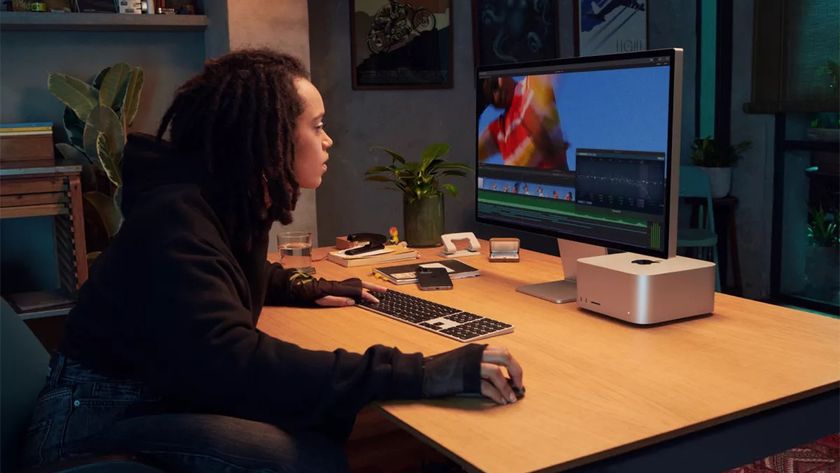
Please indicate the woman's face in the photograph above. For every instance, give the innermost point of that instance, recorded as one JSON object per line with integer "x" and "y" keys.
{"x": 311, "y": 140}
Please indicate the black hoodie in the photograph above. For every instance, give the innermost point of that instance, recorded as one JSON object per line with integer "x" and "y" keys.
{"x": 170, "y": 304}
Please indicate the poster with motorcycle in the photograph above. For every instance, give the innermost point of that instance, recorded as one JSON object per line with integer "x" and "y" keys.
{"x": 401, "y": 44}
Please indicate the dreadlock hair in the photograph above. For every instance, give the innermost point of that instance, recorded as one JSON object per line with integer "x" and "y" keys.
{"x": 235, "y": 122}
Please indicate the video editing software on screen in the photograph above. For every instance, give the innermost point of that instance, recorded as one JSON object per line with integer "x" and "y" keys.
{"x": 577, "y": 149}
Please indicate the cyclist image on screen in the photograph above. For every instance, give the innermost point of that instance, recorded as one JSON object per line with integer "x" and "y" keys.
{"x": 527, "y": 132}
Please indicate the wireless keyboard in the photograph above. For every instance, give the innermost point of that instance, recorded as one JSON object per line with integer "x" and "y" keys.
{"x": 438, "y": 318}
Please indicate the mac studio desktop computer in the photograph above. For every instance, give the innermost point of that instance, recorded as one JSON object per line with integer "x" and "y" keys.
{"x": 587, "y": 150}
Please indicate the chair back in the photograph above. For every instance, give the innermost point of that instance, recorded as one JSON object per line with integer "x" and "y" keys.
{"x": 695, "y": 183}
{"x": 24, "y": 363}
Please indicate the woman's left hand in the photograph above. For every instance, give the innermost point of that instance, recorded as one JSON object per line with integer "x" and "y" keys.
{"x": 339, "y": 301}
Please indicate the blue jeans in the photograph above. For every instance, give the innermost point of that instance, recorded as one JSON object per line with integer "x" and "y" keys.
{"x": 80, "y": 412}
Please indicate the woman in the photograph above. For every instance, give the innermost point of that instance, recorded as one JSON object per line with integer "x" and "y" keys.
{"x": 162, "y": 357}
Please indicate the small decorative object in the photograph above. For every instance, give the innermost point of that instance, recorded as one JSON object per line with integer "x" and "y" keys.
{"x": 510, "y": 32}
{"x": 22, "y": 5}
{"x": 504, "y": 250}
{"x": 394, "y": 234}
{"x": 419, "y": 181}
{"x": 181, "y": 7}
{"x": 96, "y": 6}
{"x": 610, "y": 26}
{"x": 401, "y": 44}
{"x": 457, "y": 245}
{"x": 133, "y": 7}
{"x": 96, "y": 119}
{"x": 59, "y": 6}
{"x": 717, "y": 162}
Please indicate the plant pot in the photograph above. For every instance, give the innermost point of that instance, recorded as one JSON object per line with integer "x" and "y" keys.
{"x": 720, "y": 180}
{"x": 423, "y": 221}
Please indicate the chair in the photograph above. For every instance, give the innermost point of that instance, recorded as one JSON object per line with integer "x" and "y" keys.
{"x": 694, "y": 184}
{"x": 23, "y": 369}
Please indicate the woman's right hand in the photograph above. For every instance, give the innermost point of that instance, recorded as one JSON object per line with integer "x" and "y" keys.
{"x": 494, "y": 383}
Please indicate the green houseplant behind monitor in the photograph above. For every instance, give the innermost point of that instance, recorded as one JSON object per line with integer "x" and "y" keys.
{"x": 583, "y": 149}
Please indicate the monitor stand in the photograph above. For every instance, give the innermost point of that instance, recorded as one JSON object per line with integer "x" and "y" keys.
{"x": 564, "y": 290}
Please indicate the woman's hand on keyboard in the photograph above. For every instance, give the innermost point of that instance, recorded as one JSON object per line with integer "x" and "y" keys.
{"x": 339, "y": 301}
{"x": 494, "y": 384}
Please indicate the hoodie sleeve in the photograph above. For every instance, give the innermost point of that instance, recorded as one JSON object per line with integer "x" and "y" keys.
{"x": 201, "y": 346}
{"x": 278, "y": 289}
{"x": 290, "y": 287}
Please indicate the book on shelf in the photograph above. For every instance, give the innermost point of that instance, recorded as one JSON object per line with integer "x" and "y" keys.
{"x": 36, "y": 301}
{"x": 27, "y": 143}
{"x": 405, "y": 273}
{"x": 28, "y": 127}
{"x": 385, "y": 255}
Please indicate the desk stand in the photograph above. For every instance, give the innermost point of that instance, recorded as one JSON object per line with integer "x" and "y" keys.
{"x": 564, "y": 290}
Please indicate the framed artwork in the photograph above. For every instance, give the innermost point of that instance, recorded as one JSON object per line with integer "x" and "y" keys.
{"x": 509, "y": 32}
{"x": 399, "y": 44}
{"x": 610, "y": 26}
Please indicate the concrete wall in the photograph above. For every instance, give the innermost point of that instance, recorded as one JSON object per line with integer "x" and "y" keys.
{"x": 408, "y": 120}
{"x": 284, "y": 26}
{"x": 405, "y": 121}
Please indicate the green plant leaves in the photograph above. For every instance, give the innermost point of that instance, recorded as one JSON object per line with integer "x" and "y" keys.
{"x": 112, "y": 90}
{"x": 79, "y": 96}
{"x": 75, "y": 128}
{"x": 394, "y": 155}
{"x": 131, "y": 99}
{"x": 821, "y": 230}
{"x": 107, "y": 210}
{"x": 418, "y": 179}
{"x": 71, "y": 153}
{"x": 708, "y": 152}
{"x": 432, "y": 153}
{"x": 105, "y": 137}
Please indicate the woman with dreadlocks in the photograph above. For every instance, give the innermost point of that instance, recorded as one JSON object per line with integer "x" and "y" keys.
{"x": 162, "y": 358}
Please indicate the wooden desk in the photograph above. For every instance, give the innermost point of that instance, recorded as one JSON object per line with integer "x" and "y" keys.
{"x": 599, "y": 390}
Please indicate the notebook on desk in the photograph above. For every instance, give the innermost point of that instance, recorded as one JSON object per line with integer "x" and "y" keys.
{"x": 405, "y": 273}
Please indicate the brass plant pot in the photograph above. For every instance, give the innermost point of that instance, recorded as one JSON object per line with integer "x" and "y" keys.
{"x": 423, "y": 221}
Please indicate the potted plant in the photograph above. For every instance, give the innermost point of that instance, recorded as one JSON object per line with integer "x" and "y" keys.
{"x": 822, "y": 260}
{"x": 96, "y": 119}
{"x": 717, "y": 161}
{"x": 419, "y": 182}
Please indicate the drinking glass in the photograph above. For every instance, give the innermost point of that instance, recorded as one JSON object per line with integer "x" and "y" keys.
{"x": 296, "y": 250}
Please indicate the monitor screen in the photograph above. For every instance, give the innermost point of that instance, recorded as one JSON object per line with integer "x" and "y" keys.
{"x": 583, "y": 149}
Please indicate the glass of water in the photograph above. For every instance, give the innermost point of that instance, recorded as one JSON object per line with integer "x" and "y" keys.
{"x": 296, "y": 250}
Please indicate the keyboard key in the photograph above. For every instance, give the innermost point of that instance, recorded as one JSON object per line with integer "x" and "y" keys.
{"x": 420, "y": 312}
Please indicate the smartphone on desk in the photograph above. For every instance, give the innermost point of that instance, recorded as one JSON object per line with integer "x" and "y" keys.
{"x": 433, "y": 279}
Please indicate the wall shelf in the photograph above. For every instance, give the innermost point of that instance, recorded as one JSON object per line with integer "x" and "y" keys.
{"x": 28, "y": 21}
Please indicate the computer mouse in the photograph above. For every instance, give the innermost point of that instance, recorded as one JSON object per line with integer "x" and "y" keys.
{"x": 520, "y": 392}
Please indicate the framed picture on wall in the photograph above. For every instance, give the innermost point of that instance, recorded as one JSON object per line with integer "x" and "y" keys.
{"x": 399, "y": 44}
{"x": 510, "y": 32}
{"x": 610, "y": 26}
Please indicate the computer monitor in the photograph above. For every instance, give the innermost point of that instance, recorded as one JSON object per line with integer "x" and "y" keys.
{"x": 582, "y": 149}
